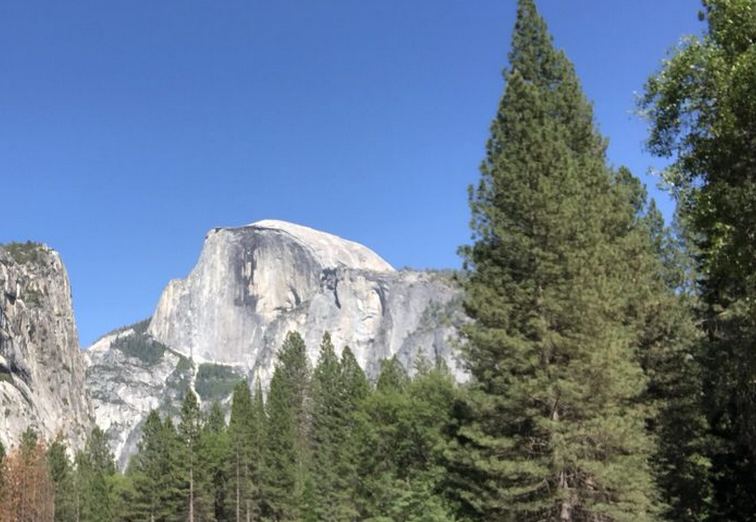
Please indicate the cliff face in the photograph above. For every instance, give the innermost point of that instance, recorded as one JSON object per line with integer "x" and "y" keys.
{"x": 42, "y": 372}
{"x": 250, "y": 287}
{"x": 254, "y": 284}
{"x": 130, "y": 374}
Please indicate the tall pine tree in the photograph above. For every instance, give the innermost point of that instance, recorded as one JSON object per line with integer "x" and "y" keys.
{"x": 556, "y": 430}
{"x": 62, "y": 474}
{"x": 660, "y": 309}
{"x": 95, "y": 469}
{"x": 354, "y": 389}
{"x": 246, "y": 431}
{"x": 327, "y": 422}
{"x": 287, "y": 433}
{"x": 215, "y": 452}
{"x": 197, "y": 497}
{"x": 153, "y": 472}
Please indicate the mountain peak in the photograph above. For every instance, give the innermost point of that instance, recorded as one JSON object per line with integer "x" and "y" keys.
{"x": 330, "y": 250}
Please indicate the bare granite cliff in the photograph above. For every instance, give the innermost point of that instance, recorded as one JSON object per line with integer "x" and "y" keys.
{"x": 42, "y": 371}
{"x": 250, "y": 286}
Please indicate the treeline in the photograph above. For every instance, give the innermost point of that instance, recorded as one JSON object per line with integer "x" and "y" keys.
{"x": 324, "y": 444}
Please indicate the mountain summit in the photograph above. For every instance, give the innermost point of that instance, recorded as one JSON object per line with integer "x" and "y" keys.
{"x": 330, "y": 250}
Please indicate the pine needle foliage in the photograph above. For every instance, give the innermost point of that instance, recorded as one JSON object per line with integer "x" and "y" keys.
{"x": 557, "y": 430}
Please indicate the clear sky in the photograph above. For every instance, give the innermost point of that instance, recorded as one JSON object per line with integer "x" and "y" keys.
{"x": 129, "y": 129}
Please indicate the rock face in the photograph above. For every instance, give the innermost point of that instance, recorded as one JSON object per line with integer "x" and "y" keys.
{"x": 41, "y": 368}
{"x": 254, "y": 284}
{"x": 130, "y": 373}
{"x": 251, "y": 286}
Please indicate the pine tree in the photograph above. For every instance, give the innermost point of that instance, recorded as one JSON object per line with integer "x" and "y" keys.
{"x": 95, "y": 469}
{"x": 197, "y": 504}
{"x": 328, "y": 423}
{"x": 355, "y": 388}
{"x": 147, "y": 468}
{"x": 381, "y": 435}
{"x": 660, "y": 309}
{"x": 61, "y": 472}
{"x": 555, "y": 429}
{"x": 215, "y": 454}
{"x": 432, "y": 393}
{"x": 287, "y": 434}
{"x": 392, "y": 376}
{"x": 400, "y": 436}
{"x": 123, "y": 498}
{"x": 154, "y": 472}
{"x": 173, "y": 458}
{"x": 354, "y": 380}
{"x": 258, "y": 430}
{"x": 241, "y": 495}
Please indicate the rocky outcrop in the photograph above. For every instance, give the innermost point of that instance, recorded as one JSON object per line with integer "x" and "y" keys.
{"x": 251, "y": 286}
{"x": 42, "y": 371}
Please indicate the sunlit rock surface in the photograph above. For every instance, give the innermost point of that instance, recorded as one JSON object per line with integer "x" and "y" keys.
{"x": 41, "y": 367}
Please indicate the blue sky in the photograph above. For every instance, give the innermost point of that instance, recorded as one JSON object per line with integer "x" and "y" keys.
{"x": 129, "y": 129}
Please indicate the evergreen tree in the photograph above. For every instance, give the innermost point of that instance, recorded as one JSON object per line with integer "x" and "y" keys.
{"x": 123, "y": 498}
{"x": 241, "y": 495}
{"x": 95, "y": 469}
{"x": 660, "y": 308}
{"x": 215, "y": 454}
{"x": 175, "y": 469}
{"x": 328, "y": 423}
{"x": 702, "y": 110}
{"x": 198, "y": 502}
{"x": 153, "y": 473}
{"x": 555, "y": 428}
{"x": 287, "y": 434}
{"x": 258, "y": 430}
{"x": 401, "y": 443}
{"x": 355, "y": 384}
{"x": 61, "y": 472}
{"x": 381, "y": 437}
{"x": 354, "y": 389}
{"x": 392, "y": 376}
{"x": 432, "y": 393}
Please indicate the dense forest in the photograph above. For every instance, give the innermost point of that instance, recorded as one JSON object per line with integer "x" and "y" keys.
{"x": 612, "y": 358}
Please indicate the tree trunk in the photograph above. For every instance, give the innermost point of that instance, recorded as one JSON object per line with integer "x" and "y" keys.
{"x": 567, "y": 505}
{"x": 238, "y": 489}
{"x": 566, "y": 512}
{"x": 191, "y": 493}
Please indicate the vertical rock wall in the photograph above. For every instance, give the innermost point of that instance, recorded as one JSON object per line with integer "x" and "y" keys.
{"x": 42, "y": 371}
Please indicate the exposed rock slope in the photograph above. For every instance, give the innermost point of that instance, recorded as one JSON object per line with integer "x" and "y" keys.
{"x": 41, "y": 367}
{"x": 250, "y": 287}
{"x": 130, "y": 373}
